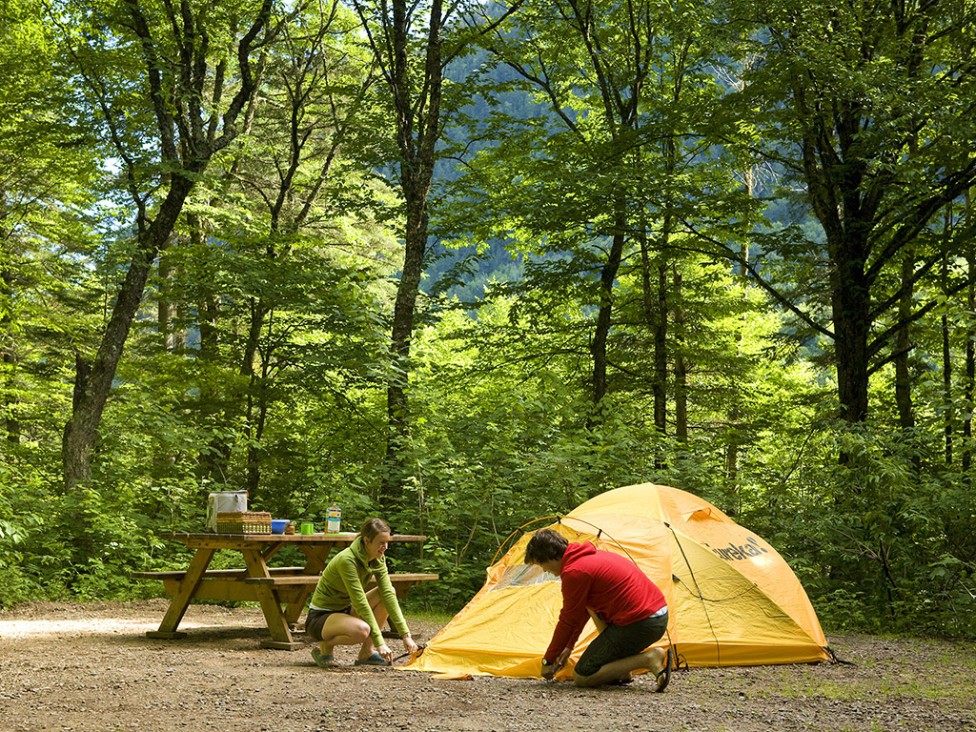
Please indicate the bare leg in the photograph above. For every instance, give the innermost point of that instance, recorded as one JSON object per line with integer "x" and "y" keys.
{"x": 342, "y": 630}
{"x": 380, "y": 613}
{"x": 652, "y": 659}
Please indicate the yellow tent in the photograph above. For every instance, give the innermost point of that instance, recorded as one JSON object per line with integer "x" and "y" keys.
{"x": 734, "y": 601}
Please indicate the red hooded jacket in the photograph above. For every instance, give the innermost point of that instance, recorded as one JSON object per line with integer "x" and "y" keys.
{"x": 609, "y": 584}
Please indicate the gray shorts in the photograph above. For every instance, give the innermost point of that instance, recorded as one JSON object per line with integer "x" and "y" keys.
{"x": 621, "y": 641}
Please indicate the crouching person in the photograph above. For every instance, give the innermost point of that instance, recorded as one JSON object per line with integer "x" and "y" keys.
{"x": 342, "y": 612}
{"x": 628, "y": 609}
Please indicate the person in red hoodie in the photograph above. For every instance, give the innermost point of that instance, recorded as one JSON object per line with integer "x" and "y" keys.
{"x": 628, "y": 609}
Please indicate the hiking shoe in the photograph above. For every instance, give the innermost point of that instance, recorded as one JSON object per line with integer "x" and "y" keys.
{"x": 664, "y": 675}
{"x": 375, "y": 660}
{"x": 323, "y": 660}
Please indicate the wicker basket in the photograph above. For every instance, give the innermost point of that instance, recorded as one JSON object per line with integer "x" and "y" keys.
{"x": 246, "y": 522}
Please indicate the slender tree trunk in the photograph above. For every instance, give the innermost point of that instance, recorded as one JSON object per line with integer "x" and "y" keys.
{"x": 969, "y": 402}
{"x": 950, "y": 412}
{"x": 735, "y": 411}
{"x": 903, "y": 377}
{"x": 657, "y": 313}
{"x": 404, "y": 311}
{"x": 661, "y": 346}
{"x": 655, "y": 295}
{"x": 680, "y": 366}
{"x": 608, "y": 275}
{"x": 257, "y": 419}
{"x": 655, "y": 306}
{"x": 7, "y": 342}
{"x": 252, "y": 368}
{"x": 165, "y": 307}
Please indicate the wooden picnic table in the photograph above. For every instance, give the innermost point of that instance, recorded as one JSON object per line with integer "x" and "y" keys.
{"x": 281, "y": 591}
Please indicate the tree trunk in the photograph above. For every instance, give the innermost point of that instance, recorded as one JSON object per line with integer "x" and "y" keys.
{"x": 8, "y": 349}
{"x": 186, "y": 147}
{"x": 735, "y": 411}
{"x": 850, "y": 296}
{"x": 92, "y": 385}
{"x": 659, "y": 328}
{"x": 947, "y": 400}
{"x": 655, "y": 295}
{"x": 255, "y": 368}
{"x": 404, "y": 310}
{"x": 418, "y": 126}
{"x": 604, "y": 319}
{"x": 903, "y": 377}
{"x": 969, "y": 398}
{"x": 165, "y": 307}
{"x": 680, "y": 367}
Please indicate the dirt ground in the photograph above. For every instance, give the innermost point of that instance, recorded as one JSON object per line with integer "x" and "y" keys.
{"x": 79, "y": 667}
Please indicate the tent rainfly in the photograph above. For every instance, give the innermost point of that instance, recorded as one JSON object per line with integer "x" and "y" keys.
{"x": 734, "y": 600}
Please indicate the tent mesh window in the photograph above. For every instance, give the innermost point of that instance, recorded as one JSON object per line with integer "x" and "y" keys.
{"x": 523, "y": 575}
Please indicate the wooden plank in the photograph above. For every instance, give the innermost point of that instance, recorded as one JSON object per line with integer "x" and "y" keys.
{"x": 233, "y": 541}
{"x": 283, "y": 580}
{"x": 234, "y": 590}
{"x": 311, "y": 579}
{"x": 177, "y": 575}
{"x": 211, "y": 573}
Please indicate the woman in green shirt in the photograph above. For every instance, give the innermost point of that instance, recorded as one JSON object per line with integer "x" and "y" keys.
{"x": 343, "y": 613}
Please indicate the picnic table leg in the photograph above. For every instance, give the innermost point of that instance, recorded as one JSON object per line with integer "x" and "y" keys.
{"x": 181, "y": 599}
{"x": 315, "y": 559}
{"x": 293, "y": 610}
{"x": 270, "y": 605}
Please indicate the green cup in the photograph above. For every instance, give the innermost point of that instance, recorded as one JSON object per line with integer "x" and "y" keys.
{"x": 307, "y": 527}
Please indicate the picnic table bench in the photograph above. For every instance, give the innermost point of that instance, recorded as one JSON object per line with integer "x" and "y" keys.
{"x": 282, "y": 592}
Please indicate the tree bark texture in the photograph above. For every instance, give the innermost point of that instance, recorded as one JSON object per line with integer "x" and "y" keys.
{"x": 655, "y": 295}
{"x": 604, "y": 319}
{"x": 680, "y": 365}
{"x": 969, "y": 387}
{"x": 903, "y": 376}
{"x": 7, "y": 346}
{"x": 950, "y": 412}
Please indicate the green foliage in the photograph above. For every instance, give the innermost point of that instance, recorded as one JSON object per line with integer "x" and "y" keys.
{"x": 260, "y": 356}
{"x": 20, "y": 519}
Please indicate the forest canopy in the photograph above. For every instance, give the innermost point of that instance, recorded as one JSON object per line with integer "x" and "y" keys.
{"x": 462, "y": 266}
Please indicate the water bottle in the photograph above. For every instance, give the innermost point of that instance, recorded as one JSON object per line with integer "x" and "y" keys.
{"x": 332, "y": 517}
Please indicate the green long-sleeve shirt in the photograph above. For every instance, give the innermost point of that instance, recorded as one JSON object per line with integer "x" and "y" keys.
{"x": 343, "y": 583}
